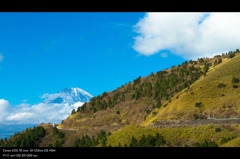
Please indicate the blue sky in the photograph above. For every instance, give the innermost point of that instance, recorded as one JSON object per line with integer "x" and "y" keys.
{"x": 98, "y": 52}
{"x": 46, "y": 52}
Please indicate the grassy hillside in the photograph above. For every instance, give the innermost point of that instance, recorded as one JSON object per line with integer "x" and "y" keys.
{"x": 217, "y": 93}
{"x": 132, "y": 102}
{"x": 233, "y": 143}
{"x": 179, "y": 137}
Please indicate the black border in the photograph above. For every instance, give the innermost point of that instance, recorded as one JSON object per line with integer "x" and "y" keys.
{"x": 114, "y": 152}
{"x": 121, "y": 6}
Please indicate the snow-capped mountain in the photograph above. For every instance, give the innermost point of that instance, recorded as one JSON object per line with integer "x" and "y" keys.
{"x": 71, "y": 96}
{"x": 55, "y": 108}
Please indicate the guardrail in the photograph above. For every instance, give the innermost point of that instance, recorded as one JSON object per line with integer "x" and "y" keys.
{"x": 223, "y": 118}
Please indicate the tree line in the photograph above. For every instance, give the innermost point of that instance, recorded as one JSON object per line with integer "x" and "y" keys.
{"x": 148, "y": 141}
{"x": 26, "y": 139}
{"x": 93, "y": 141}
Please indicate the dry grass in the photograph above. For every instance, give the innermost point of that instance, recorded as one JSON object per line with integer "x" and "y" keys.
{"x": 175, "y": 136}
{"x": 131, "y": 112}
{"x": 205, "y": 90}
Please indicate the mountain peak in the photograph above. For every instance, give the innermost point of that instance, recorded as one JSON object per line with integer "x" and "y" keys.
{"x": 68, "y": 96}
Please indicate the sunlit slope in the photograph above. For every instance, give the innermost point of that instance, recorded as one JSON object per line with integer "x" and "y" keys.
{"x": 205, "y": 96}
{"x": 179, "y": 137}
{"x": 233, "y": 143}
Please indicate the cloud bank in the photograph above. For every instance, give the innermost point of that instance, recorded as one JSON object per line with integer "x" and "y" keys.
{"x": 190, "y": 35}
{"x": 35, "y": 114}
{"x": 54, "y": 109}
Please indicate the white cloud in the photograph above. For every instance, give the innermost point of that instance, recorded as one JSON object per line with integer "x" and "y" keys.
{"x": 5, "y": 108}
{"x": 1, "y": 57}
{"x": 22, "y": 107}
{"x": 190, "y": 35}
{"x": 20, "y": 116}
{"x": 34, "y": 114}
{"x": 46, "y": 111}
{"x": 77, "y": 104}
{"x": 45, "y": 95}
{"x": 4, "y": 105}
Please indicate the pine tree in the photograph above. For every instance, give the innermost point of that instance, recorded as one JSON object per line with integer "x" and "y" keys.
{"x": 55, "y": 131}
{"x": 23, "y": 143}
{"x": 220, "y": 61}
{"x": 159, "y": 140}
{"x": 61, "y": 135}
{"x": 76, "y": 143}
{"x": 94, "y": 141}
{"x": 73, "y": 112}
{"x": 142, "y": 141}
{"x": 119, "y": 144}
{"x": 133, "y": 142}
{"x": 40, "y": 131}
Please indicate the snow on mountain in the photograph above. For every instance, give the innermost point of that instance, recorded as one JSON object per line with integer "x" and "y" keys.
{"x": 55, "y": 108}
{"x": 72, "y": 96}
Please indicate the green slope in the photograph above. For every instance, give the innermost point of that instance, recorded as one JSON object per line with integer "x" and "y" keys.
{"x": 132, "y": 102}
{"x": 179, "y": 137}
{"x": 205, "y": 96}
